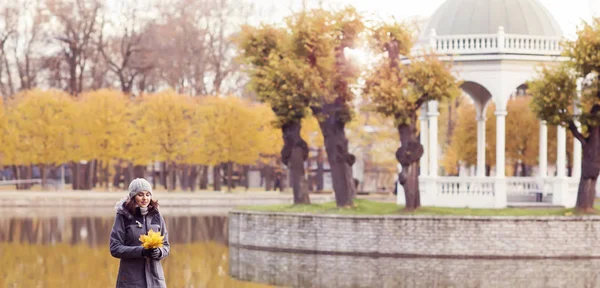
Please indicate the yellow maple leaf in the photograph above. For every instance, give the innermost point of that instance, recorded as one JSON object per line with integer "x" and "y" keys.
{"x": 152, "y": 240}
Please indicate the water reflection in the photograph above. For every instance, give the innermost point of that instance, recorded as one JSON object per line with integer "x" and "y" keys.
{"x": 309, "y": 270}
{"x": 73, "y": 252}
{"x": 95, "y": 231}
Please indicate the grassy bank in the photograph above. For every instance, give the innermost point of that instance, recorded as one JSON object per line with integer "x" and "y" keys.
{"x": 367, "y": 207}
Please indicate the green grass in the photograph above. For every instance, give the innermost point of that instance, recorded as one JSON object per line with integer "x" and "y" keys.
{"x": 367, "y": 207}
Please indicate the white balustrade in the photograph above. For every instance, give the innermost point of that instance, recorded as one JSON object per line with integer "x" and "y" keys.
{"x": 479, "y": 192}
{"x": 489, "y": 44}
{"x": 526, "y": 186}
{"x": 465, "y": 192}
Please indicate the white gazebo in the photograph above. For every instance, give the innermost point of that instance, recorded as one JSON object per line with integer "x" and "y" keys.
{"x": 495, "y": 47}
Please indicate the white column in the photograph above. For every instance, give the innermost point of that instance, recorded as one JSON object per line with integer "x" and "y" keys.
{"x": 500, "y": 181}
{"x": 560, "y": 194}
{"x": 481, "y": 145}
{"x": 561, "y": 152}
{"x": 423, "y": 138}
{"x": 543, "y": 150}
{"x": 432, "y": 113}
{"x": 500, "y": 140}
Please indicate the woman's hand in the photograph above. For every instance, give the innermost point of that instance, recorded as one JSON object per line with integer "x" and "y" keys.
{"x": 156, "y": 253}
{"x": 147, "y": 253}
{"x": 153, "y": 253}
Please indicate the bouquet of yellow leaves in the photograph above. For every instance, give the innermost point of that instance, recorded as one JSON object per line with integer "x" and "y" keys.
{"x": 152, "y": 240}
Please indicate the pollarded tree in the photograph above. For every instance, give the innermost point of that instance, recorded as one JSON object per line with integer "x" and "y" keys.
{"x": 555, "y": 94}
{"x": 398, "y": 91}
{"x": 320, "y": 39}
{"x": 303, "y": 65}
{"x": 278, "y": 78}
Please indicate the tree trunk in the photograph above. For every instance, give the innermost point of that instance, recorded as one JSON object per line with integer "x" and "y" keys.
{"x": 139, "y": 171}
{"x": 293, "y": 155}
{"x": 524, "y": 170}
{"x": 204, "y": 178}
{"x": 173, "y": 176}
{"x": 29, "y": 173}
{"x": 193, "y": 178}
{"x": 154, "y": 176}
{"x": 229, "y": 166}
{"x": 516, "y": 169}
{"x": 320, "y": 169}
{"x": 217, "y": 177}
{"x": 118, "y": 173}
{"x": 268, "y": 175}
{"x": 94, "y": 173}
{"x": 408, "y": 155}
{"x": 590, "y": 168}
{"x": 128, "y": 175}
{"x": 107, "y": 175}
{"x": 89, "y": 173}
{"x": 185, "y": 178}
{"x": 340, "y": 161}
{"x": 75, "y": 175}
{"x": 245, "y": 181}
{"x": 43, "y": 174}
{"x": 163, "y": 174}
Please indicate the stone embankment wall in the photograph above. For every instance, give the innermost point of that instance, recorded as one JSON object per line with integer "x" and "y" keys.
{"x": 415, "y": 236}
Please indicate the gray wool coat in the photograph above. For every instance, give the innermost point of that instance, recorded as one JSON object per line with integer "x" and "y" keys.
{"x": 135, "y": 270}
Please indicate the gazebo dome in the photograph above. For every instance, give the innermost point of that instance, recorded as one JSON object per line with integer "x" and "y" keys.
{"x": 469, "y": 17}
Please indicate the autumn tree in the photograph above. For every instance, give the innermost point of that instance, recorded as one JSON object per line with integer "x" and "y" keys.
{"x": 41, "y": 119}
{"x": 555, "y": 97}
{"x": 167, "y": 118}
{"x": 277, "y": 77}
{"x": 398, "y": 91}
{"x": 108, "y": 130}
{"x": 137, "y": 150}
{"x": 522, "y": 128}
{"x": 232, "y": 133}
{"x": 320, "y": 39}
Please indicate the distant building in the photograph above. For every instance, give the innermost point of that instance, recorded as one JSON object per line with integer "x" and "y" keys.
{"x": 495, "y": 47}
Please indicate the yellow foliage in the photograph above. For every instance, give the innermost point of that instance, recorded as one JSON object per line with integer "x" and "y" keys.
{"x": 270, "y": 138}
{"x": 311, "y": 132}
{"x": 39, "y": 127}
{"x": 230, "y": 130}
{"x": 522, "y": 134}
{"x": 165, "y": 123}
{"x": 152, "y": 240}
{"x": 106, "y": 124}
{"x": 463, "y": 141}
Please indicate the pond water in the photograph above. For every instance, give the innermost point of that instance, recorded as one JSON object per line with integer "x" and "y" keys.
{"x": 39, "y": 249}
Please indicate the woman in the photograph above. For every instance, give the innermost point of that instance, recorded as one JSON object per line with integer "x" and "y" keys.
{"x": 137, "y": 213}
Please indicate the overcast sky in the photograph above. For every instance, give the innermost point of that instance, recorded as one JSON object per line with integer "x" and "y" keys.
{"x": 568, "y": 13}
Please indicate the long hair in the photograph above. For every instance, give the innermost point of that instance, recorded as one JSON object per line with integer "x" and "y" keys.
{"x": 130, "y": 206}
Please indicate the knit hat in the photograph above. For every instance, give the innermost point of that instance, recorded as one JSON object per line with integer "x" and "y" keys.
{"x": 139, "y": 185}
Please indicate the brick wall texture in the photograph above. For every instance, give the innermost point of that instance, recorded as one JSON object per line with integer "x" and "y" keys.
{"x": 438, "y": 236}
